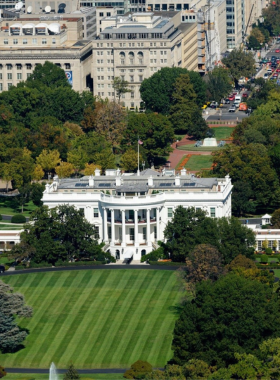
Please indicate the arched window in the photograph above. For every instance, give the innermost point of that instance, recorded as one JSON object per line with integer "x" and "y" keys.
{"x": 143, "y": 252}
{"x": 131, "y": 57}
{"x": 122, "y": 54}
{"x": 140, "y": 54}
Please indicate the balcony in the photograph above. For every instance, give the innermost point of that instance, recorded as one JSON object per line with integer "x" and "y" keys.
{"x": 132, "y": 221}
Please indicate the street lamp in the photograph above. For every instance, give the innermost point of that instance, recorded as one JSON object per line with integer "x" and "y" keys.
{"x": 143, "y": 164}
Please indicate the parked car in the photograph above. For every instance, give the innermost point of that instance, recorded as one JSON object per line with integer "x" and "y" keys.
{"x": 231, "y": 97}
{"x": 232, "y": 108}
{"x": 214, "y": 104}
{"x": 245, "y": 95}
{"x": 277, "y": 50}
{"x": 2, "y": 268}
{"x": 243, "y": 107}
{"x": 266, "y": 75}
{"x": 227, "y": 101}
{"x": 275, "y": 75}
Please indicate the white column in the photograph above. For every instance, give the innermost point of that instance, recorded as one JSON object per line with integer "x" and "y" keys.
{"x": 105, "y": 228}
{"x": 113, "y": 227}
{"x": 123, "y": 228}
{"x": 136, "y": 240}
{"x": 158, "y": 236}
{"x": 149, "y": 226}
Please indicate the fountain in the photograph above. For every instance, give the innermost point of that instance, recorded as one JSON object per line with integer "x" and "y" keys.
{"x": 53, "y": 372}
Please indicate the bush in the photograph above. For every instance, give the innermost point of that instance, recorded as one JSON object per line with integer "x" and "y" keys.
{"x": 61, "y": 263}
{"x": 138, "y": 370}
{"x": 43, "y": 264}
{"x": 0, "y": 217}
{"x": 18, "y": 218}
{"x": 264, "y": 259}
{"x": 268, "y": 251}
{"x": 20, "y": 267}
{"x": 155, "y": 255}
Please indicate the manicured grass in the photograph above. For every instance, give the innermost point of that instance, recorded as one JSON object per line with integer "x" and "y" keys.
{"x": 191, "y": 147}
{"x": 11, "y": 226}
{"x": 97, "y": 376}
{"x": 199, "y": 162}
{"x": 97, "y": 318}
{"x": 8, "y": 206}
{"x": 222, "y": 133}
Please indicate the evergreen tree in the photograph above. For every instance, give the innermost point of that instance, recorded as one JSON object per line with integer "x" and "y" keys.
{"x": 71, "y": 373}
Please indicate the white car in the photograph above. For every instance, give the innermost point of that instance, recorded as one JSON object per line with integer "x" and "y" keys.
{"x": 232, "y": 108}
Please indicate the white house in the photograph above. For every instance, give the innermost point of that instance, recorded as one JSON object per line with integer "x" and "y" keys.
{"x": 130, "y": 211}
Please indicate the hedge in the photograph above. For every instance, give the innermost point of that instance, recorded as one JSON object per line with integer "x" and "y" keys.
{"x": 167, "y": 263}
{"x": 0, "y": 217}
{"x": 18, "y": 218}
{"x": 79, "y": 263}
{"x": 269, "y": 266}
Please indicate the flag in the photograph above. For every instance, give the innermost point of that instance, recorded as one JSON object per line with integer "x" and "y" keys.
{"x": 140, "y": 142}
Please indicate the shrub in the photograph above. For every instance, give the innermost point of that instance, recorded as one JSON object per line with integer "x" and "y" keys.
{"x": 264, "y": 259}
{"x": 268, "y": 251}
{"x": 155, "y": 255}
{"x": 138, "y": 370}
{"x": 0, "y": 217}
{"x": 42, "y": 264}
{"x": 18, "y": 218}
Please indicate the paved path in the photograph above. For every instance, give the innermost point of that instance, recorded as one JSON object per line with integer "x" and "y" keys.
{"x": 95, "y": 267}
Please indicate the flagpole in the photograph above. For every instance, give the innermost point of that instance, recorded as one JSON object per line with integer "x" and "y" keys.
{"x": 138, "y": 171}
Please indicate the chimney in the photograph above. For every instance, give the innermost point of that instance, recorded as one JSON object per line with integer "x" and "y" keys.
{"x": 177, "y": 180}
{"x": 118, "y": 181}
{"x": 91, "y": 181}
{"x": 183, "y": 171}
{"x": 150, "y": 181}
{"x": 97, "y": 172}
{"x": 48, "y": 188}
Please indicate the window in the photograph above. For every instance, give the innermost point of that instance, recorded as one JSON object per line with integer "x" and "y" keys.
{"x": 1, "y": 86}
{"x": 34, "y": 41}
{"x": 15, "y": 41}
{"x": 109, "y": 232}
{"x": 155, "y": 232}
{"x": 28, "y": 75}
{"x": 0, "y": 75}
{"x": 19, "y": 76}
{"x": 95, "y": 213}
{"x": 212, "y": 212}
{"x": 28, "y": 66}
{"x": 44, "y": 41}
{"x": 67, "y": 66}
{"x": 53, "y": 41}
{"x": 24, "y": 41}
{"x": 169, "y": 212}
{"x": 9, "y": 85}
{"x": 10, "y": 76}
{"x": 144, "y": 233}
{"x": 131, "y": 78}
{"x": 9, "y": 66}
{"x": 140, "y": 78}
{"x": 131, "y": 234}
{"x": 6, "y": 42}
{"x": 131, "y": 94}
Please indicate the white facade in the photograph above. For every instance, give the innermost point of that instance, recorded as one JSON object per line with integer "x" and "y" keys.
{"x": 130, "y": 212}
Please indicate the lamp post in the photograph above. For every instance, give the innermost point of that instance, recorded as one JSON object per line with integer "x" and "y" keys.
{"x": 143, "y": 164}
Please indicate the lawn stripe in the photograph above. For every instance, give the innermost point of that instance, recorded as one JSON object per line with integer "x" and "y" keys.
{"x": 107, "y": 335}
{"x": 151, "y": 330}
{"x": 67, "y": 346}
{"x": 42, "y": 317}
{"x": 143, "y": 306}
{"x": 65, "y": 305}
{"x": 32, "y": 324}
{"x": 93, "y": 317}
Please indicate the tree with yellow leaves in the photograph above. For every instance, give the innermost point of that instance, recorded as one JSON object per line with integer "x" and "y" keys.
{"x": 48, "y": 159}
{"x": 64, "y": 170}
{"x": 38, "y": 173}
{"x": 90, "y": 169}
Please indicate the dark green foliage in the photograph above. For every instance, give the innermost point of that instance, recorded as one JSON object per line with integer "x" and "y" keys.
{"x": 268, "y": 251}
{"x": 157, "y": 90}
{"x": 138, "y": 370}
{"x": 48, "y": 75}
{"x": 36, "y": 195}
{"x": 264, "y": 259}
{"x": 18, "y": 218}
{"x": 71, "y": 373}
{"x": 239, "y": 64}
{"x": 242, "y": 202}
{"x": 0, "y": 217}
{"x": 190, "y": 227}
{"x": 231, "y": 315}
{"x": 155, "y": 255}
{"x": 54, "y": 235}
{"x": 218, "y": 84}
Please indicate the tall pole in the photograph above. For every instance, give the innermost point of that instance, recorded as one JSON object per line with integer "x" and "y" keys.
{"x": 138, "y": 171}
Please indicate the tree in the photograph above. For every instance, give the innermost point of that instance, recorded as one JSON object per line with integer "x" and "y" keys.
{"x": 256, "y": 32}
{"x": 109, "y": 121}
{"x": 129, "y": 160}
{"x": 49, "y": 75}
{"x": 156, "y": 91}
{"x": 184, "y": 103}
{"x": 241, "y": 261}
{"x": 90, "y": 169}
{"x": 24, "y": 195}
{"x": 239, "y": 64}
{"x": 253, "y": 43}
{"x": 48, "y": 159}
{"x": 36, "y": 193}
{"x": 120, "y": 86}
{"x": 275, "y": 219}
{"x": 171, "y": 372}
{"x": 203, "y": 263}
{"x": 11, "y": 304}
{"x": 64, "y": 170}
{"x": 155, "y": 131}
{"x": 54, "y": 235}
{"x": 38, "y": 173}
{"x": 225, "y": 313}
{"x": 138, "y": 370}
{"x": 6, "y": 174}
{"x": 218, "y": 84}
{"x": 71, "y": 373}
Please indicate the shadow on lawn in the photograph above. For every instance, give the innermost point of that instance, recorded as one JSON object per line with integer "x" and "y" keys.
{"x": 176, "y": 309}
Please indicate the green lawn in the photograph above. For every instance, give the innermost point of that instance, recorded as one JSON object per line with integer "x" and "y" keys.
{"x": 199, "y": 162}
{"x": 191, "y": 147}
{"x": 8, "y": 206}
{"x": 97, "y": 318}
{"x": 222, "y": 133}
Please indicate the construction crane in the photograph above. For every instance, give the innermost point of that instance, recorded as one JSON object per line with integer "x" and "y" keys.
{"x": 245, "y": 32}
